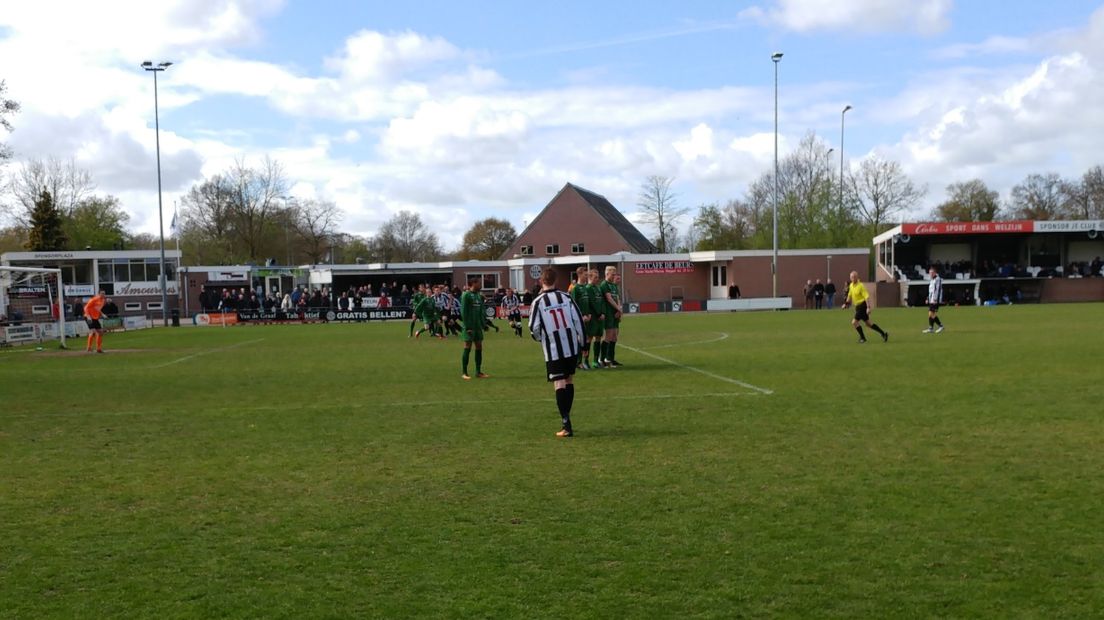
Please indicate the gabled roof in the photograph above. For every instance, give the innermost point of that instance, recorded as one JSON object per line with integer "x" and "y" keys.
{"x": 637, "y": 242}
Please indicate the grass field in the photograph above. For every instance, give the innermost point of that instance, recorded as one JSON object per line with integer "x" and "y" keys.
{"x": 738, "y": 465}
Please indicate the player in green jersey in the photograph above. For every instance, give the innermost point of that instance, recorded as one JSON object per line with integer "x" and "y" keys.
{"x": 580, "y": 293}
{"x": 426, "y": 310}
{"x": 471, "y": 314}
{"x": 419, "y": 295}
{"x": 611, "y": 293}
{"x": 597, "y": 325}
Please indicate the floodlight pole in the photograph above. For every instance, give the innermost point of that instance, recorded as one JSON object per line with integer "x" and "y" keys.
{"x": 155, "y": 69}
{"x": 776, "y": 58}
{"x": 843, "y": 116}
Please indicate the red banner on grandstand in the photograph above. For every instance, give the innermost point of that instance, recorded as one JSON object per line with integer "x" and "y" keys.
{"x": 664, "y": 266}
{"x": 967, "y": 228}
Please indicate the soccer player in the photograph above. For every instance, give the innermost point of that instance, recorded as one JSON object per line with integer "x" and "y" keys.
{"x": 597, "y": 326}
{"x": 610, "y": 289}
{"x": 414, "y": 301}
{"x": 471, "y": 313}
{"x": 857, "y": 295}
{"x": 935, "y": 297}
{"x": 555, "y": 322}
{"x": 426, "y": 310}
{"x": 93, "y": 312}
{"x": 580, "y": 294}
{"x": 511, "y": 307}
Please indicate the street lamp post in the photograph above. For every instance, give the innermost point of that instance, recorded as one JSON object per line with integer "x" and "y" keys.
{"x": 159, "y": 67}
{"x": 776, "y": 58}
{"x": 842, "y": 116}
{"x": 829, "y": 274}
{"x": 287, "y": 237}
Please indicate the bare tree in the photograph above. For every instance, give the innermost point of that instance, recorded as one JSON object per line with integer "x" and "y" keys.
{"x": 315, "y": 223}
{"x": 1083, "y": 199}
{"x": 882, "y": 190}
{"x": 68, "y": 184}
{"x": 207, "y": 222}
{"x": 1038, "y": 197}
{"x": 658, "y": 208}
{"x": 404, "y": 239}
{"x": 254, "y": 196}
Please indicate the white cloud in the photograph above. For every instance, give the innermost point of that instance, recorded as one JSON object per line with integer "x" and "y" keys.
{"x": 375, "y": 57}
{"x": 867, "y": 16}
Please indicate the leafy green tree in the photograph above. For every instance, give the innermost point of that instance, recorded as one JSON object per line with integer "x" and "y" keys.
{"x": 969, "y": 201}
{"x": 487, "y": 239}
{"x": 46, "y": 227}
{"x": 98, "y": 223}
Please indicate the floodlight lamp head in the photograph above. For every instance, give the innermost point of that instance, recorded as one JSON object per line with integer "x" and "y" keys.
{"x": 776, "y": 57}
{"x": 164, "y": 65}
{"x": 147, "y": 64}
{"x": 847, "y": 108}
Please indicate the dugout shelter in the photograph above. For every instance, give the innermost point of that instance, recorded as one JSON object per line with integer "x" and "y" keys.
{"x": 994, "y": 262}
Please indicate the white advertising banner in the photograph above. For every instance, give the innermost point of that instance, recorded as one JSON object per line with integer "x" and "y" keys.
{"x": 131, "y": 289}
{"x": 227, "y": 276}
{"x": 79, "y": 290}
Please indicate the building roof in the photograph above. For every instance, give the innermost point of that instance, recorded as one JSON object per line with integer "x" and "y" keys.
{"x": 636, "y": 241}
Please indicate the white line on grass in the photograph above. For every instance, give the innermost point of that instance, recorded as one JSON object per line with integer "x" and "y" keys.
{"x": 700, "y": 371}
{"x": 685, "y": 344}
{"x": 412, "y": 403}
{"x": 195, "y": 355}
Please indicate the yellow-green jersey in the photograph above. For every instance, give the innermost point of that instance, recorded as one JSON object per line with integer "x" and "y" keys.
{"x": 856, "y": 293}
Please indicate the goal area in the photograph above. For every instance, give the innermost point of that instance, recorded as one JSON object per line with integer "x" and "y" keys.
{"x": 32, "y": 305}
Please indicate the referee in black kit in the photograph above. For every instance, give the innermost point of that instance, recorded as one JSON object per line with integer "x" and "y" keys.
{"x": 556, "y": 323}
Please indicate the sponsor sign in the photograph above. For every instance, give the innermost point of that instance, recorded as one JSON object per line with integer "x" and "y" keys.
{"x": 1076, "y": 226}
{"x": 269, "y": 272}
{"x": 634, "y": 308}
{"x": 664, "y": 267}
{"x": 205, "y": 319}
{"x": 79, "y": 290}
{"x": 524, "y": 310}
{"x": 132, "y": 289}
{"x": 227, "y": 276}
{"x": 379, "y": 314}
{"x": 22, "y": 333}
{"x": 27, "y": 292}
{"x": 676, "y": 306}
{"x": 135, "y": 322}
{"x": 51, "y": 255}
{"x": 967, "y": 228}
{"x": 535, "y": 272}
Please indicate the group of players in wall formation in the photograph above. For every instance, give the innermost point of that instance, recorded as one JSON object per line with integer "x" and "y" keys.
{"x": 586, "y": 319}
{"x": 577, "y": 329}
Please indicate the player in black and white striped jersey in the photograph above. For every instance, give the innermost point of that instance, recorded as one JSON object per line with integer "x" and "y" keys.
{"x": 556, "y": 323}
{"x": 935, "y": 297}
{"x": 511, "y": 307}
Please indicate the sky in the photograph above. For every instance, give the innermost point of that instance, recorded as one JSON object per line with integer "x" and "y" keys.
{"x": 461, "y": 110}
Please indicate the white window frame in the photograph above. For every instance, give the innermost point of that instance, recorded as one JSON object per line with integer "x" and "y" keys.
{"x": 552, "y": 249}
{"x": 578, "y": 248}
{"x": 132, "y": 306}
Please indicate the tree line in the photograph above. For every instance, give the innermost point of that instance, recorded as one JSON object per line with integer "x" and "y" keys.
{"x": 819, "y": 208}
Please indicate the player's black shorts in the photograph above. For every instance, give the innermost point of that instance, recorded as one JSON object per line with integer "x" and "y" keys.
{"x": 561, "y": 368}
{"x": 861, "y": 313}
{"x": 514, "y": 316}
{"x": 933, "y": 307}
{"x": 93, "y": 323}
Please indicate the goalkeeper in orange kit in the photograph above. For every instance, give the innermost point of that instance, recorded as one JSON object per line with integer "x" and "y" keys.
{"x": 93, "y": 312}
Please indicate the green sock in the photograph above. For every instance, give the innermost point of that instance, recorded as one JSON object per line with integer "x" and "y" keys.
{"x": 412, "y": 324}
{"x": 478, "y": 361}
{"x": 465, "y": 357}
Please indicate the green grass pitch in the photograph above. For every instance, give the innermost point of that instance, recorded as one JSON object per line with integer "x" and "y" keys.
{"x": 739, "y": 465}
